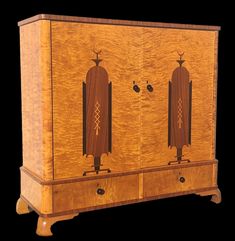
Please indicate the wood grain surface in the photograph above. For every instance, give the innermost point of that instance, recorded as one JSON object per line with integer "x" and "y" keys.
{"x": 199, "y": 50}
{"x": 205, "y": 191}
{"x": 22, "y": 207}
{"x": 72, "y": 51}
{"x": 168, "y": 181}
{"x": 214, "y": 121}
{"x": 115, "y": 22}
{"x": 40, "y": 196}
{"x": 140, "y": 117}
{"x": 84, "y": 194}
{"x": 55, "y": 59}
{"x": 141, "y": 60}
{"x": 153, "y": 183}
{"x": 151, "y": 102}
{"x": 36, "y": 98}
{"x": 118, "y": 174}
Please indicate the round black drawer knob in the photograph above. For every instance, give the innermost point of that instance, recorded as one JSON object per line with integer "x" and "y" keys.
{"x": 150, "y": 88}
{"x": 136, "y": 88}
{"x": 182, "y": 179}
{"x": 100, "y": 191}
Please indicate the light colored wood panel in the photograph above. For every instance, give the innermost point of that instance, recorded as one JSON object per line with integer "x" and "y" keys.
{"x": 38, "y": 195}
{"x": 72, "y": 51}
{"x": 31, "y": 97}
{"x": 141, "y": 185}
{"x": 63, "y": 197}
{"x": 31, "y": 190}
{"x": 199, "y": 50}
{"x": 215, "y": 173}
{"x": 151, "y": 102}
{"x": 215, "y": 96}
{"x": 168, "y": 181}
{"x": 47, "y": 199}
{"x": 45, "y": 67}
{"x": 36, "y": 98}
{"x": 84, "y": 194}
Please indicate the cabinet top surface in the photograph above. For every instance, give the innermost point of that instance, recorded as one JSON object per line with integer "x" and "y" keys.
{"x": 116, "y": 22}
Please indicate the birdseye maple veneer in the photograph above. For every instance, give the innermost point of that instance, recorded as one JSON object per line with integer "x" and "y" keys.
{"x": 115, "y": 112}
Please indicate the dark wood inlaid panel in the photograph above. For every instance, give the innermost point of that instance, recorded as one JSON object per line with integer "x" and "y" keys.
{"x": 180, "y": 108}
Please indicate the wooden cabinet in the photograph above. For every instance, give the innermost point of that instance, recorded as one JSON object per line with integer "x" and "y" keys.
{"x": 115, "y": 112}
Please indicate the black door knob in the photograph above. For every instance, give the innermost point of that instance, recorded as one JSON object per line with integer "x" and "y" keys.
{"x": 182, "y": 179}
{"x": 136, "y": 88}
{"x": 150, "y": 88}
{"x": 100, "y": 191}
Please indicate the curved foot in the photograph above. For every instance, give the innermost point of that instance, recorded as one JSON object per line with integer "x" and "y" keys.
{"x": 216, "y": 195}
{"x": 44, "y": 224}
{"x": 22, "y": 207}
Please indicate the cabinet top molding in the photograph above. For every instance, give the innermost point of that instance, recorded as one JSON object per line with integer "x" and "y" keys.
{"x": 116, "y": 22}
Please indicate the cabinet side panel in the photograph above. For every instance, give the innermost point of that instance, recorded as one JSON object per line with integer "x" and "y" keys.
{"x": 36, "y": 98}
{"x": 215, "y": 95}
{"x": 31, "y": 87}
{"x": 45, "y": 65}
{"x": 31, "y": 190}
{"x": 39, "y": 196}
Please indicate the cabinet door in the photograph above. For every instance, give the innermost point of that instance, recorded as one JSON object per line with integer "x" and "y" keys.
{"x": 121, "y": 54}
{"x": 161, "y": 48}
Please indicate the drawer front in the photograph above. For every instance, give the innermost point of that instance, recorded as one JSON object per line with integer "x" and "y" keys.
{"x": 178, "y": 180}
{"x": 93, "y": 193}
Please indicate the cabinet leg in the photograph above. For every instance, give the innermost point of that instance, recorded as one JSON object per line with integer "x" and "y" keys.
{"x": 216, "y": 195}
{"x": 45, "y": 223}
{"x": 22, "y": 207}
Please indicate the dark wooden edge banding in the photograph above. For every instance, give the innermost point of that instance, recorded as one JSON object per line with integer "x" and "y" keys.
{"x": 110, "y": 175}
{"x": 110, "y": 119}
{"x": 190, "y": 112}
{"x": 84, "y": 116}
{"x": 195, "y": 191}
{"x": 183, "y": 165}
{"x": 169, "y": 114}
{"x": 116, "y": 22}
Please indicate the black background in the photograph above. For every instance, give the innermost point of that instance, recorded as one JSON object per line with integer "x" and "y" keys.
{"x": 174, "y": 217}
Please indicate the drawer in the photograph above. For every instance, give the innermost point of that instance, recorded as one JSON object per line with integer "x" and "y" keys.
{"x": 86, "y": 194}
{"x": 178, "y": 180}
